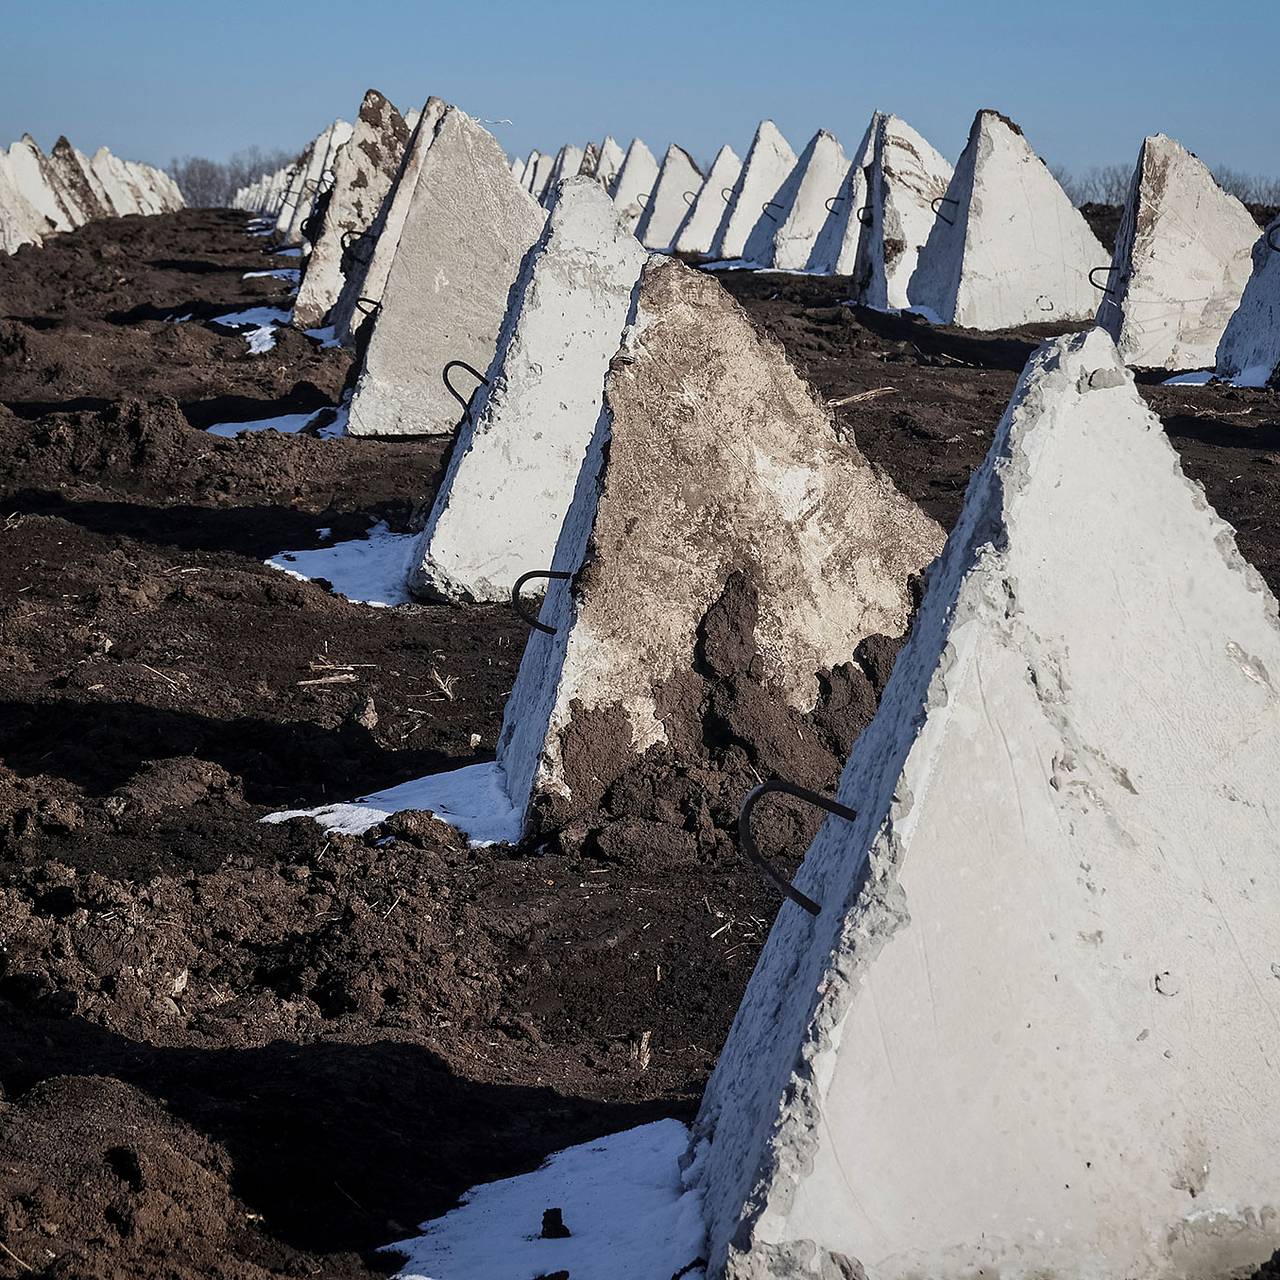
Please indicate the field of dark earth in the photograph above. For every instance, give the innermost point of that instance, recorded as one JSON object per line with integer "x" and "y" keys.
{"x": 244, "y": 1051}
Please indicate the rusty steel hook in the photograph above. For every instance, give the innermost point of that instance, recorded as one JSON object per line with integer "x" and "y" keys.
{"x": 518, "y": 604}
{"x": 748, "y": 841}
{"x": 475, "y": 373}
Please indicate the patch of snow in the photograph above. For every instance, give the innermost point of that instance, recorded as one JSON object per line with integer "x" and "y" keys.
{"x": 1256, "y": 375}
{"x": 260, "y": 341}
{"x": 372, "y": 570}
{"x": 286, "y": 423}
{"x": 925, "y": 313}
{"x": 622, "y": 1199}
{"x": 1201, "y": 379}
{"x": 179, "y": 319}
{"x": 252, "y": 316}
{"x": 474, "y": 799}
{"x": 276, "y": 273}
{"x": 287, "y": 253}
{"x": 324, "y": 533}
{"x": 326, "y": 337}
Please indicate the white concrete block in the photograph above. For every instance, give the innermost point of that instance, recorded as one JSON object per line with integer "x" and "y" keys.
{"x": 77, "y": 193}
{"x": 511, "y": 476}
{"x": 633, "y": 182}
{"x": 366, "y": 278}
{"x": 766, "y": 168}
{"x": 120, "y": 194}
{"x": 835, "y": 250}
{"x": 1035, "y": 1029}
{"x": 590, "y": 160}
{"x": 609, "y": 162}
{"x": 541, "y": 178}
{"x": 27, "y": 164}
{"x": 678, "y": 183}
{"x": 800, "y": 209}
{"x": 517, "y": 170}
{"x": 20, "y": 221}
{"x": 468, "y": 225}
{"x": 1249, "y": 352}
{"x": 95, "y": 183}
{"x": 702, "y": 219}
{"x": 1007, "y": 246}
{"x": 317, "y": 173}
{"x": 1181, "y": 262}
{"x": 530, "y": 168}
{"x": 711, "y": 458}
{"x": 906, "y": 176}
{"x": 363, "y": 172}
{"x": 566, "y": 164}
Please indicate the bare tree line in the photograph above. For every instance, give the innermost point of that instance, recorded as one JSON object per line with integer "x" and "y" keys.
{"x": 1109, "y": 184}
{"x": 211, "y": 184}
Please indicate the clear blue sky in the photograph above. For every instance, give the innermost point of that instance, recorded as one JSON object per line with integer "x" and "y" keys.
{"x": 1085, "y": 79}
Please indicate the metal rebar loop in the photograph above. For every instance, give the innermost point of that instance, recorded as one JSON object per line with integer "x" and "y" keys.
{"x": 1271, "y": 237}
{"x": 726, "y": 194}
{"x": 770, "y": 204}
{"x": 867, "y": 221}
{"x": 368, "y": 306}
{"x": 748, "y": 841}
{"x": 1093, "y": 271}
{"x": 830, "y": 200}
{"x": 689, "y": 197}
{"x": 453, "y": 391}
{"x": 518, "y": 604}
{"x": 937, "y": 200}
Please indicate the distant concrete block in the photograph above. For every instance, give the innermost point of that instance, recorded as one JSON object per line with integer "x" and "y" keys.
{"x": 702, "y": 220}
{"x": 711, "y": 461}
{"x": 906, "y": 179}
{"x": 115, "y": 182}
{"x": 540, "y": 179}
{"x": 1007, "y": 246}
{"x": 633, "y": 183}
{"x": 799, "y": 210}
{"x": 366, "y": 277}
{"x": 499, "y": 510}
{"x": 566, "y": 164}
{"x": 467, "y": 228}
{"x": 363, "y": 172}
{"x": 73, "y": 182}
{"x": 27, "y": 164}
{"x": 678, "y": 183}
{"x": 609, "y": 162}
{"x": 835, "y": 249}
{"x": 1249, "y": 353}
{"x": 590, "y": 160}
{"x": 20, "y": 221}
{"x": 517, "y": 170}
{"x": 317, "y": 174}
{"x": 1181, "y": 262}
{"x": 1034, "y": 1030}
{"x": 95, "y": 183}
{"x": 766, "y": 168}
{"x": 530, "y": 169}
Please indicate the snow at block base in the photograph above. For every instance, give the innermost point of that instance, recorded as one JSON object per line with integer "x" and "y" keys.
{"x": 1035, "y": 1029}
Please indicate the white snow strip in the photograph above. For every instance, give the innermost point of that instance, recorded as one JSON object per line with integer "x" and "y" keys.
{"x": 287, "y": 253}
{"x": 286, "y": 423}
{"x": 1200, "y": 379}
{"x": 622, "y": 1200}
{"x": 473, "y": 799}
{"x": 276, "y": 273}
{"x": 372, "y": 570}
{"x": 326, "y": 337}
{"x": 262, "y": 340}
{"x": 253, "y": 316}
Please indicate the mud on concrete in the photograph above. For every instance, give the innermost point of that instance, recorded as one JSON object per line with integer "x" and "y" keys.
{"x": 229, "y": 1049}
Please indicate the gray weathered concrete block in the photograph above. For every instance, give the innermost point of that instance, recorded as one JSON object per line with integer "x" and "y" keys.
{"x": 766, "y": 168}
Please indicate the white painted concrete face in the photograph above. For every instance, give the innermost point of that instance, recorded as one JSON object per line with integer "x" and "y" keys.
{"x": 118, "y": 193}
{"x": 633, "y": 183}
{"x": 143, "y": 183}
{"x": 468, "y": 226}
{"x": 318, "y": 171}
{"x": 541, "y": 176}
{"x": 835, "y": 250}
{"x": 1181, "y": 262}
{"x": 567, "y": 162}
{"x": 27, "y": 165}
{"x": 710, "y": 457}
{"x": 610, "y": 161}
{"x": 20, "y": 221}
{"x": 678, "y": 182}
{"x": 1007, "y": 247}
{"x": 362, "y": 176}
{"x": 907, "y": 176}
{"x": 95, "y": 183}
{"x": 1034, "y": 1031}
{"x": 702, "y": 219}
{"x": 366, "y": 281}
{"x": 530, "y": 168}
{"x": 511, "y": 476}
{"x": 1249, "y": 353}
{"x": 805, "y": 200}
{"x": 517, "y": 170}
{"x": 294, "y": 194}
{"x": 768, "y": 163}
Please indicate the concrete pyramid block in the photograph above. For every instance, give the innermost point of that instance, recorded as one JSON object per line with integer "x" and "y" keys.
{"x": 116, "y": 181}
{"x": 293, "y": 195}
{"x": 370, "y": 265}
{"x": 906, "y": 177}
{"x": 566, "y": 165}
{"x": 1034, "y": 1029}
{"x": 590, "y": 160}
{"x": 317, "y": 174}
{"x": 1181, "y": 262}
{"x": 363, "y": 172}
{"x": 1249, "y": 353}
{"x": 711, "y": 461}
{"x": 530, "y": 168}
{"x": 95, "y": 183}
{"x": 702, "y": 219}
{"x": 467, "y": 228}
{"x": 540, "y": 178}
{"x": 767, "y": 166}
{"x": 517, "y": 170}
{"x": 27, "y": 164}
{"x": 633, "y": 183}
{"x": 73, "y": 180}
{"x": 20, "y": 221}
{"x": 608, "y": 163}
{"x": 678, "y": 182}
{"x": 835, "y": 249}
{"x": 800, "y": 207}
{"x": 1007, "y": 246}
{"x": 512, "y": 473}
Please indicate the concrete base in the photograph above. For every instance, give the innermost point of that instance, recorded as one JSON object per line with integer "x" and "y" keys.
{"x": 634, "y": 181}
{"x": 702, "y": 220}
{"x": 1181, "y": 262}
{"x": 468, "y": 225}
{"x": 1007, "y": 246}
{"x": 768, "y": 163}
{"x": 499, "y": 510}
{"x": 366, "y": 277}
{"x": 787, "y": 242}
{"x": 711, "y": 459}
{"x": 1034, "y": 1031}
{"x": 1249, "y": 352}
{"x": 678, "y": 182}
{"x": 362, "y": 176}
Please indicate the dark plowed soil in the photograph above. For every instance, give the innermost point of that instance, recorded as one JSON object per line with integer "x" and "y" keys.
{"x": 236, "y": 1050}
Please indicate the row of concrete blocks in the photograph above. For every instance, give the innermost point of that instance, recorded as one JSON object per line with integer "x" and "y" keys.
{"x": 41, "y": 195}
{"x": 1019, "y": 1014}
{"x": 991, "y": 244}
